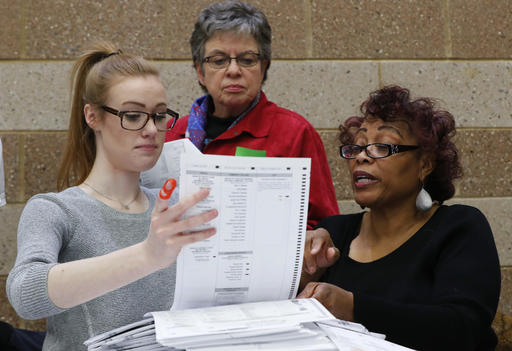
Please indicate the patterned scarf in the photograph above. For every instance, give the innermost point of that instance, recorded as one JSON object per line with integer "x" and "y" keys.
{"x": 196, "y": 129}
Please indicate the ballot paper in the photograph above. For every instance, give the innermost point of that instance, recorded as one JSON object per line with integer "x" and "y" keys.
{"x": 256, "y": 254}
{"x": 2, "y": 180}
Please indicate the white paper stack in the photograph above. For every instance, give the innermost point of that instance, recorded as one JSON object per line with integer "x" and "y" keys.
{"x": 286, "y": 322}
{"x": 270, "y": 325}
{"x": 136, "y": 336}
{"x": 298, "y": 324}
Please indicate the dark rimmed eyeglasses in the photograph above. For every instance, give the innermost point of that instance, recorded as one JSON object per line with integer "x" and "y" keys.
{"x": 375, "y": 150}
{"x": 136, "y": 120}
{"x": 245, "y": 59}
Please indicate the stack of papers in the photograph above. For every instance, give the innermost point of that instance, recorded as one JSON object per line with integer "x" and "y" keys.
{"x": 237, "y": 327}
{"x": 286, "y": 324}
{"x": 136, "y": 336}
{"x": 298, "y": 324}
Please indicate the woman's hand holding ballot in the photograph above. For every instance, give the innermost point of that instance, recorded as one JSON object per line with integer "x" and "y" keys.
{"x": 166, "y": 234}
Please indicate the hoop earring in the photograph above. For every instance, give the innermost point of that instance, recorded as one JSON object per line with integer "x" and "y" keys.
{"x": 423, "y": 200}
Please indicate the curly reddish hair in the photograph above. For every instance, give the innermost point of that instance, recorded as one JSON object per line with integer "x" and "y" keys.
{"x": 433, "y": 129}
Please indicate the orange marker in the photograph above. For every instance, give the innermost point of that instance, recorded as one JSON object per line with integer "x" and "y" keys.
{"x": 167, "y": 189}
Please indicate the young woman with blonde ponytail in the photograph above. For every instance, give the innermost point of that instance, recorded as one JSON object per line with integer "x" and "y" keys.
{"x": 100, "y": 253}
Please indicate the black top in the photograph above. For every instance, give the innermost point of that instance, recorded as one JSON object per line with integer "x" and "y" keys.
{"x": 437, "y": 291}
{"x": 215, "y": 126}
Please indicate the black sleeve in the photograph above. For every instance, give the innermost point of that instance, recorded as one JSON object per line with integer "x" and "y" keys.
{"x": 464, "y": 297}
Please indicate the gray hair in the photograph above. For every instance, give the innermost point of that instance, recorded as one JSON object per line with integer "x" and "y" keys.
{"x": 231, "y": 16}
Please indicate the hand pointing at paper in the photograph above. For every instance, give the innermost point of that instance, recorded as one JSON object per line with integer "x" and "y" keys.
{"x": 319, "y": 253}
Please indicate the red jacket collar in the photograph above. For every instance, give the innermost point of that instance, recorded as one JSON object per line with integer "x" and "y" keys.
{"x": 258, "y": 122}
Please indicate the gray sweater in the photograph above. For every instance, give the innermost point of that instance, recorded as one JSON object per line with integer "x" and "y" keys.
{"x": 68, "y": 226}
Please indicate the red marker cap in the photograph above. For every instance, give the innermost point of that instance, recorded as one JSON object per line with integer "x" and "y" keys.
{"x": 167, "y": 189}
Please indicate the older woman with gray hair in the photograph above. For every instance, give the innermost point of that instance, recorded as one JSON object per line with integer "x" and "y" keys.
{"x": 231, "y": 52}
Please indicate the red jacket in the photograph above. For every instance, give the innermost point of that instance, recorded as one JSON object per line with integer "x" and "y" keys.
{"x": 281, "y": 133}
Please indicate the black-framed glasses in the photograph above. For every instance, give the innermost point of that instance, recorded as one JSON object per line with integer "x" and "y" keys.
{"x": 245, "y": 59}
{"x": 136, "y": 120}
{"x": 375, "y": 150}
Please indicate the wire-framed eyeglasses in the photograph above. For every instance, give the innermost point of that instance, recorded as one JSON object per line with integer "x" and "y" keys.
{"x": 245, "y": 59}
{"x": 375, "y": 150}
{"x": 136, "y": 120}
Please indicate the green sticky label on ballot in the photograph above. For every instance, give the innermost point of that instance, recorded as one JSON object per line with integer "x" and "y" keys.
{"x": 243, "y": 151}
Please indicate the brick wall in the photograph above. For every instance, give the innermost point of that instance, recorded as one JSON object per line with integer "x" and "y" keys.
{"x": 328, "y": 55}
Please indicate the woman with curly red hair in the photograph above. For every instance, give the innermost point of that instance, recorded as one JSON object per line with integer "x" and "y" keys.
{"x": 425, "y": 274}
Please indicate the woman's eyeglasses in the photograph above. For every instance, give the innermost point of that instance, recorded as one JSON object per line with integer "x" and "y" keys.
{"x": 375, "y": 150}
{"x": 136, "y": 120}
{"x": 220, "y": 61}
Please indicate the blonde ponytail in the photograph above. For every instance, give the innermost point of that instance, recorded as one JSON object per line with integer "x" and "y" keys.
{"x": 91, "y": 77}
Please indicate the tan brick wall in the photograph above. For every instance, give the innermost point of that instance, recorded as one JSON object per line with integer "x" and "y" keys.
{"x": 328, "y": 55}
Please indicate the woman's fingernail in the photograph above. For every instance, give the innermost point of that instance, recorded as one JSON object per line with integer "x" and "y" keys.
{"x": 167, "y": 189}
